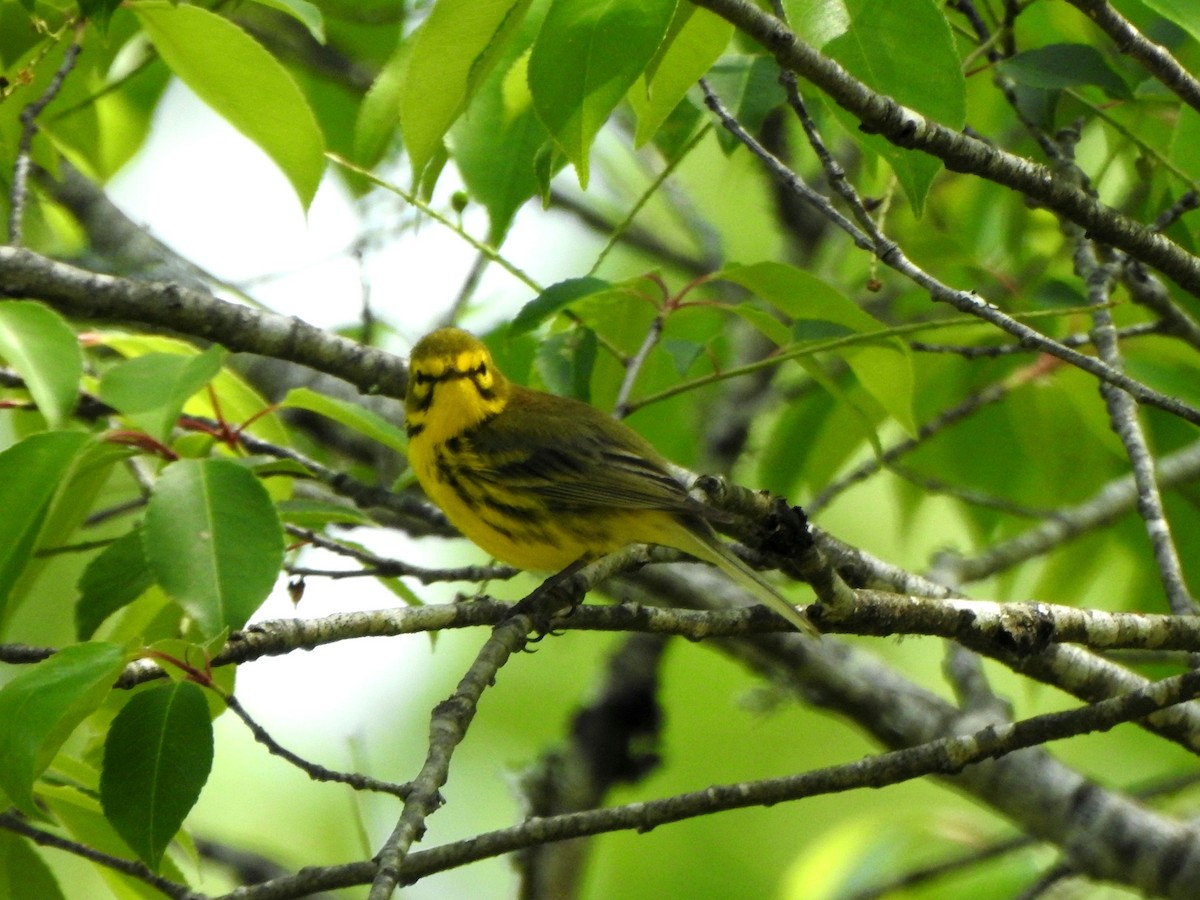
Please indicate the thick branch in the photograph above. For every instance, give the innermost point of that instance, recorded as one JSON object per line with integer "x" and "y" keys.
{"x": 77, "y": 292}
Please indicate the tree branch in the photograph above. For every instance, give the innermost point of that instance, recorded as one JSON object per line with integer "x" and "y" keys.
{"x": 88, "y": 295}
{"x": 909, "y": 129}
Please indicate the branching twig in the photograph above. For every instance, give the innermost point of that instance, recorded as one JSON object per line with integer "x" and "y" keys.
{"x": 941, "y": 756}
{"x": 452, "y": 717}
{"x": 1124, "y": 420}
{"x": 633, "y": 367}
{"x": 945, "y": 756}
{"x": 889, "y": 253}
{"x": 908, "y": 129}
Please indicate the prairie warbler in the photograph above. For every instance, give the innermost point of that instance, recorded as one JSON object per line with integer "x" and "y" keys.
{"x": 540, "y": 481}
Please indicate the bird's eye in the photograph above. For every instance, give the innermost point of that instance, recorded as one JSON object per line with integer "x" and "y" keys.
{"x": 423, "y": 378}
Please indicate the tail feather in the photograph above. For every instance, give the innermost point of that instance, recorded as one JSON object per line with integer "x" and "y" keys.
{"x": 717, "y": 553}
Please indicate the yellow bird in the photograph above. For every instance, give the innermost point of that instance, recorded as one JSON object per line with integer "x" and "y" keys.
{"x": 541, "y": 481}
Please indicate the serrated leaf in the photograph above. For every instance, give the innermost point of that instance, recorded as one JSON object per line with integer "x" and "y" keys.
{"x": 151, "y": 389}
{"x": 552, "y": 299}
{"x": 44, "y": 351}
{"x": 115, "y": 578}
{"x": 243, "y": 83}
{"x": 1058, "y": 66}
{"x": 42, "y": 705}
{"x": 453, "y": 51}
{"x": 359, "y": 418}
{"x": 157, "y": 757}
{"x": 587, "y": 55}
{"x": 23, "y": 874}
{"x": 30, "y": 475}
{"x": 213, "y": 540}
{"x": 877, "y": 47}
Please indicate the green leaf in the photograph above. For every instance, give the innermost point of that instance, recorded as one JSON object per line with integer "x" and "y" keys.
{"x": 307, "y": 14}
{"x": 98, "y": 12}
{"x": 878, "y": 48}
{"x": 318, "y": 514}
{"x": 748, "y": 86}
{"x": 682, "y": 353}
{"x": 453, "y": 51}
{"x": 42, "y": 705}
{"x": 588, "y": 54}
{"x": 817, "y": 23}
{"x": 74, "y": 496}
{"x": 30, "y": 475}
{"x": 359, "y": 418}
{"x": 243, "y": 83}
{"x": 115, "y": 578}
{"x": 497, "y": 146}
{"x": 379, "y": 113}
{"x": 554, "y": 298}
{"x": 157, "y": 757}
{"x": 151, "y": 389}
{"x": 213, "y": 540}
{"x": 882, "y": 367}
{"x": 764, "y": 322}
{"x": 84, "y": 821}
{"x": 1184, "y": 13}
{"x": 800, "y": 295}
{"x": 696, "y": 38}
{"x": 45, "y": 353}
{"x": 23, "y": 874}
{"x": 565, "y": 362}
{"x": 1060, "y": 66}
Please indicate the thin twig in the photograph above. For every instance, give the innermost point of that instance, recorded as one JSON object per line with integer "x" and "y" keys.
{"x": 1109, "y": 503}
{"x": 993, "y": 351}
{"x": 1123, "y": 416}
{"x": 314, "y": 771}
{"x": 891, "y": 255}
{"x": 12, "y": 822}
{"x": 393, "y": 568}
{"x": 928, "y": 430}
{"x": 633, "y": 367}
{"x": 946, "y": 755}
{"x": 20, "y": 182}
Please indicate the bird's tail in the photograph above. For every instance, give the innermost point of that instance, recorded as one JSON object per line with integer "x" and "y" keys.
{"x": 714, "y": 551}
